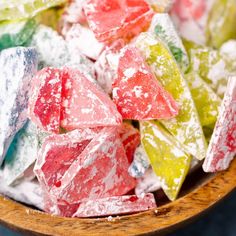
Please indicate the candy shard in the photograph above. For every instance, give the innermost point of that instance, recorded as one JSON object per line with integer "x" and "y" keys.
{"x": 57, "y": 154}
{"x": 54, "y": 51}
{"x": 116, "y": 205}
{"x": 136, "y": 92}
{"x": 221, "y": 23}
{"x": 33, "y": 195}
{"x": 185, "y": 127}
{"x": 190, "y": 17}
{"x": 212, "y": 67}
{"x": 163, "y": 27}
{"x": 149, "y": 182}
{"x": 168, "y": 160}
{"x": 228, "y": 52}
{"x": 21, "y": 154}
{"x": 51, "y": 47}
{"x": 128, "y": 18}
{"x": 18, "y": 66}
{"x": 84, "y": 104}
{"x": 206, "y": 100}
{"x": 222, "y": 147}
{"x": 45, "y": 101}
{"x": 100, "y": 171}
{"x": 83, "y": 39}
{"x": 74, "y": 13}
{"x": 14, "y": 10}
{"x": 14, "y": 34}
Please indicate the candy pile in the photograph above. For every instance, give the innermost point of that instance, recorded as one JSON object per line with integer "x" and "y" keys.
{"x": 103, "y": 102}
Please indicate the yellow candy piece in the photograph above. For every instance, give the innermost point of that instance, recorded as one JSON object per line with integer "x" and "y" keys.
{"x": 169, "y": 162}
{"x": 221, "y": 22}
{"x": 19, "y": 9}
{"x": 206, "y": 100}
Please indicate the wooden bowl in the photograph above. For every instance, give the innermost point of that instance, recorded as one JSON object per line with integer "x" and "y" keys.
{"x": 200, "y": 192}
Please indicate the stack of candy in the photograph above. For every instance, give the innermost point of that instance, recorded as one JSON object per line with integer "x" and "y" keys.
{"x": 104, "y": 102}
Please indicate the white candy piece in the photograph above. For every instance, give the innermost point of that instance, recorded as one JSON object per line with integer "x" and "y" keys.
{"x": 162, "y": 26}
{"x": 21, "y": 154}
{"x": 228, "y": 51}
{"x": 84, "y": 40}
{"x": 26, "y": 191}
{"x": 54, "y": 51}
{"x": 107, "y": 64}
{"x": 18, "y": 66}
{"x": 149, "y": 182}
{"x": 50, "y": 46}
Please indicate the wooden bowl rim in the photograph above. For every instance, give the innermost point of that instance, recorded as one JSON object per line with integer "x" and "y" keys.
{"x": 162, "y": 219}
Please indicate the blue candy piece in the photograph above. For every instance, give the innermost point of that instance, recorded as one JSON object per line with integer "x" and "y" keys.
{"x": 18, "y": 66}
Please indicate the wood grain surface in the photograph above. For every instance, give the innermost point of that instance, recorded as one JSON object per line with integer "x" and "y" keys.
{"x": 165, "y": 218}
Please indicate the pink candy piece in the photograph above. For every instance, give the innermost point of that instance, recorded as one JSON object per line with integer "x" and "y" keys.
{"x": 84, "y": 104}
{"x": 101, "y": 170}
{"x": 113, "y": 19}
{"x": 222, "y": 147}
{"x": 130, "y": 138}
{"x": 45, "y": 101}
{"x": 74, "y": 12}
{"x": 57, "y": 154}
{"x": 189, "y": 9}
{"x": 82, "y": 39}
{"x": 137, "y": 93}
{"x": 115, "y": 205}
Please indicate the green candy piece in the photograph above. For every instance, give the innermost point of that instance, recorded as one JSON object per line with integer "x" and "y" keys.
{"x": 185, "y": 127}
{"x": 169, "y": 162}
{"x": 21, "y": 154}
{"x": 21, "y": 9}
{"x": 221, "y": 22}
{"x": 13, "y": 34}
{"x": 212, "y": 67}
{"x": 163, "y": 27}
{"x": 206, "y": 100}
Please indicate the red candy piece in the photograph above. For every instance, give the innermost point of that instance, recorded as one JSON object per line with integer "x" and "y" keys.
{"x": 222, "y": 147}
{"x": 100, "y": 171}
{"x": 130, "y": 138}
{"x": 57, "y": 154}
{"x": 137, "y": 93}
{"x": 115, "y": 205}
{"x": 45, "y": 101}
{"x": 113, "y": 19}
{"x": 189, "y": 9}
{"x": 84, "y": 104}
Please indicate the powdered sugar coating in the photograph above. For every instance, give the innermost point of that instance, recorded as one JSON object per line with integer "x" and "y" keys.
{"x": 100, "y": 171}
{"x": 18, "y": 66}
{"x": 222, "y": 147}
{"x": 115, "y": 205}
